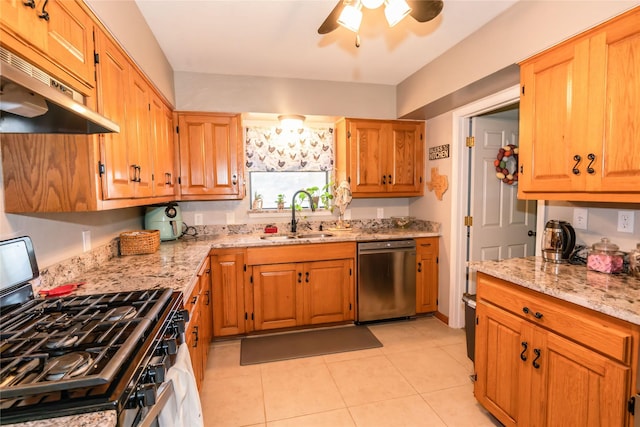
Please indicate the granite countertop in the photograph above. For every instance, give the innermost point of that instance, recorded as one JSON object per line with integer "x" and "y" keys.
{"x": 176, "y": 263}
{"x": 617, "y": 295}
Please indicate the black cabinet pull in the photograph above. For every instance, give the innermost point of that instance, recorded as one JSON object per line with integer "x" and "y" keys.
{"x": 306, "y": 277}
{"x": 384, "y": 179}
{"x": 44, "y": 14}
{"x": 525, "y": 310}
{"x": 592, "y": 158}
{"x": 195, "y": 332}
{"x": 30, "y": 3}
{"x": 523, "y": 355}
{"x": 299, "y": 277}
{"x": 194, "y": 300}
{"x": 207, "y": 293}
{"x": 419, "y": 267}
{"x": 535, "y": 363}
{"x": 167, "y": 178}
{"x": 537, "y": 315}
{"x": 390, "y": 179}
{"x": 234, "y": 179}
{"x": 577, "y": 158}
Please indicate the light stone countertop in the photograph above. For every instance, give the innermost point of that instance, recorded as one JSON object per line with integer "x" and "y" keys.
{"x": 617, "y": 295}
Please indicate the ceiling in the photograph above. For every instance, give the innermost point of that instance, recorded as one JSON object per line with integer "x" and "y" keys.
{"x": 279, "y": 38}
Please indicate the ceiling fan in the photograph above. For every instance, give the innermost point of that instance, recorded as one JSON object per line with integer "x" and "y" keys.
{"x": 420, "y": 10}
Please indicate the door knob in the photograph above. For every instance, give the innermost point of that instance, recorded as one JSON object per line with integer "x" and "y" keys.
{"x": 531, "y": 233}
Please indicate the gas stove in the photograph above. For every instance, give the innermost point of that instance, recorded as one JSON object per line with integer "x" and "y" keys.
{"x": 78, "y": 354}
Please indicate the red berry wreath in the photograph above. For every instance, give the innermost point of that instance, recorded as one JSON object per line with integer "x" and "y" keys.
{"x": 506, "y": 164}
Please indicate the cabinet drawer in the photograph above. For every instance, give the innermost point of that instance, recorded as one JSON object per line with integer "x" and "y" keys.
{"x": 576, "y": 323}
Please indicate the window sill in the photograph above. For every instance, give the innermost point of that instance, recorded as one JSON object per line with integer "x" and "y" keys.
{"x": 305, "y": 213}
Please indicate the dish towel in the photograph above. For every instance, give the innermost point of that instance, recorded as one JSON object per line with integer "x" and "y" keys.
{"x": 183, "y": 408}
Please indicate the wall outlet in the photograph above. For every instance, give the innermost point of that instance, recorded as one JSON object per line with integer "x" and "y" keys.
{"x": 380, "y": 213}
{"x": 580, "y": 217}
{"x": 625, "y": 221}
{"x": 86, "y": 241}
{"x": 197, "y": 219}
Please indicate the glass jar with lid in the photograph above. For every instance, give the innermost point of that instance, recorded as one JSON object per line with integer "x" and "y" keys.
{"x": 605, "y": 257}
{"x": 634, "y": 262}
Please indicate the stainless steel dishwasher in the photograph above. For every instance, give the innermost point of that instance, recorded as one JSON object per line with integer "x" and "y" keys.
{"x": 386, "y": 280}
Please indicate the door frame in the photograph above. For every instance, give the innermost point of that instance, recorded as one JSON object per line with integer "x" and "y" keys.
{"x": 459, "y": 180}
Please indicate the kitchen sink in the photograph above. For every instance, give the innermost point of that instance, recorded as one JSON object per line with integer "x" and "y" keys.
{"x": 314, "y": 235}
{"x": 278, "y": 237}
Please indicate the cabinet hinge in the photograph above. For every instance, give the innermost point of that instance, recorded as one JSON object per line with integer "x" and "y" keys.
{"x": 523, "y": 89}
{"x": 251, "y": 316}
{"x": 149, "y": 107}
{"x": 153, "y": 177}
{"x": 477, "y": 320}
{"x": 521, "y": 169}
{"x": 420, "y": 136}
{"x": 349, "y": 306}
{"x": 245, "y": 267}
{"x": 631, "y": 405}
{"x": 251, "y": 279}
{"x": 96, "y": 58}
{"x": 437, "y": 260}
{"x": 179, "y": 180}
{"x": 101, "y": 168}
{"x": 349, "y": 179}
{"x": 177, "y": 129}
{"x": 437, "y": 301}
{"x": 468, "y": 221}
{"x": 471, "y": 141}
{"x": 350, "y": 272}
{"x": 420, "y": 180}
{"x": 348, "y": 134}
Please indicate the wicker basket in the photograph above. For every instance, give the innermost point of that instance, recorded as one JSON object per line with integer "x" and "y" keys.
{"x": 139, "y": 242}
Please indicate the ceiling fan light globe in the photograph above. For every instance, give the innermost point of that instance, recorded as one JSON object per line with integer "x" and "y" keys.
{"x": 395, "y": 11}
{"x": 350, "y": 18}
{"x": 372, "y": 4}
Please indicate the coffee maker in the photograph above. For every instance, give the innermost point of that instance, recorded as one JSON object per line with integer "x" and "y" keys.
{"x": 165, "y": 218}
{"x": 558, "y": 241}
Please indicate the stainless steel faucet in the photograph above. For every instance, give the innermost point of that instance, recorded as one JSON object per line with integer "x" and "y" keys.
{"x": 294, "y": 222}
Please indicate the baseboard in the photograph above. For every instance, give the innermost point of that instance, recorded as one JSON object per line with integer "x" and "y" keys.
{"x": 444, "y": 319}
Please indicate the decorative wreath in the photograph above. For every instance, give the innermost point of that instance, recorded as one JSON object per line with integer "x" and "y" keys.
{"x": 506, "y": 164}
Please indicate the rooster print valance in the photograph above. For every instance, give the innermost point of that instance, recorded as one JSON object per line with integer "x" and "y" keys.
{"x": 272, "y": 149}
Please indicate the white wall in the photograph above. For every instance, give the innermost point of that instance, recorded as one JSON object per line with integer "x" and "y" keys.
{"x": 212, "y": 92}
{"x": 526, "y": 28}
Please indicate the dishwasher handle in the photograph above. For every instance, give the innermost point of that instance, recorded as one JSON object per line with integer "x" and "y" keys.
{"x": 386, "y": 246}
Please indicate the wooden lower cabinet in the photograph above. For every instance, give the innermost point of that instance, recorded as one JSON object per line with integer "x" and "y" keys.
{"x": 295, "y": 294}
{"x": 427, "y": 274}
{"x": 532, "y": 373}
{"x": 199, "y": 328}
{"x": 228, "y": 278}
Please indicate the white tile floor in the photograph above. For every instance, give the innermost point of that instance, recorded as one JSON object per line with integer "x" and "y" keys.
{"x": 420, "y": 377}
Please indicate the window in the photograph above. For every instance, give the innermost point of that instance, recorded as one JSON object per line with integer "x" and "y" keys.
{"x": 280, "y": 161}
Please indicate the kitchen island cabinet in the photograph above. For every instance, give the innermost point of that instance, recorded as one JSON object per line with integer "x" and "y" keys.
{"x": 543, "y": 361}
{"x": 380, "y": 158}
{"x": 427, "y": 274}
{"x": 211, "y": 156}
{"x": 578, "y": 121}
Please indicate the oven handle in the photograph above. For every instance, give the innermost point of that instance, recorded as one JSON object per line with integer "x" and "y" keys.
{"x": 151, "y": 417}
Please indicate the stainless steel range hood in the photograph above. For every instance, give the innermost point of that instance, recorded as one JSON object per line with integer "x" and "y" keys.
{"x": 31, "y": 101}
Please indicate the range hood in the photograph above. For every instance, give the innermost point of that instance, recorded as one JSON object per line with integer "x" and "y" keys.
{"x": 31, "y": 101}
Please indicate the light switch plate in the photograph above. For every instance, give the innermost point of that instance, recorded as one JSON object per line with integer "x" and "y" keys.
{"x": 231, "y": 218}
{"x": 86, "y": 241}
{"x": 380, "y": 213}
{"x": 580, "y": 217}
{"x": 197, "y": 219}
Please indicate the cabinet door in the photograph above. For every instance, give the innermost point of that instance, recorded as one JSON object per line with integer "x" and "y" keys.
{"x": 21, "y": 19}
{"x": 164, "y": 176}
{"x": 405, "y": 158}
{"x": 206, "y": 307}
{"x": 366, "y": 141}
{"x": 113, "y": 102}
{"x": 69, "y": 40}
{"x": 210, "y": 156}
{"x": 427, "y": 275}
{"x": 327, "y": 291}
{"x": 228, "y": 292}
{"x": 139, "y": 122}
{"x": 575, "y": 386}
{"x": 501, "y": 356}
{"x": 553, "y": 120}
{"x": 192, "y": 337}
{"x": 277, "y": 296}
{"x": 615, "y": 95}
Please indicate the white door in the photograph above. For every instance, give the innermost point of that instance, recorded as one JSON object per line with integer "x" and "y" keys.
{"x": 503, "y": 226}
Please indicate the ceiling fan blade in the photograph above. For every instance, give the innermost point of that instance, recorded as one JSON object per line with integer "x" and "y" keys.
{"x": 425, "y": 10}
{"x": 331, "y": 23}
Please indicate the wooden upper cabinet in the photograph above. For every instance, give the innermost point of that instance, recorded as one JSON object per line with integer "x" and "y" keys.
{"x": 380, "y": 158}
{"x": 113, "y": 83}
{"x": 211, "y": 156}
{"x": 163, "y": 146}
{"x": 578, "y": 117}
{"x": 56, "y": 35}
{"x": 140, "y": 128}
